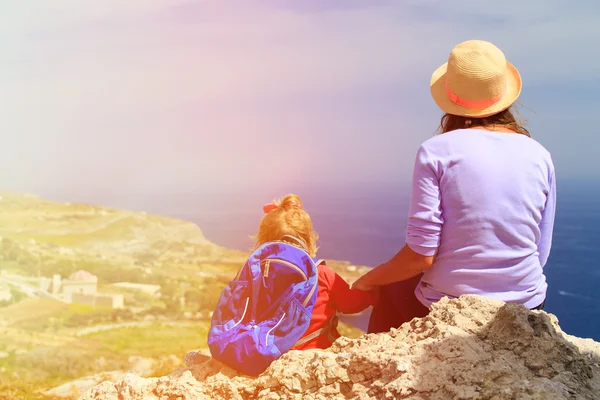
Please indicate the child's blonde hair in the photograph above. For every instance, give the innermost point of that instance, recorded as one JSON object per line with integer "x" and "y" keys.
{"x": 287, "y": 218}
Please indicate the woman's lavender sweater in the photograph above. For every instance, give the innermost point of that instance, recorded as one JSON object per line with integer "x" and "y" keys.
{"x": 483, "y": 202}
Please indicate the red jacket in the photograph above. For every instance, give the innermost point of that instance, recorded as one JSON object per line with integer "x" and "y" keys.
{"x": 334, "y": 296}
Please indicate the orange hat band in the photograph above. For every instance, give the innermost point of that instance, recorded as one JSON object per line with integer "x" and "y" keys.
{"x": 470, "y": 104}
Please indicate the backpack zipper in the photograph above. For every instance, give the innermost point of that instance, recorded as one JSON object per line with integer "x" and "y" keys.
{"x": 271, "y": 330}
{"x": 288, "y": 264}
{"x": 243, "y": 315}
{"x": 267, "y": 264}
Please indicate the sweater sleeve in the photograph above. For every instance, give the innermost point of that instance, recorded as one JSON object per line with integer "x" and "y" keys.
{"x": 547, "y": 223}
{"x": 345, "y": 299}
{"x": 425, "y": 214}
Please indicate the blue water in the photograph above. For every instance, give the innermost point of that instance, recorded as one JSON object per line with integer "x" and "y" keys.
{"x": 365, "y": 225}
{"x": 573, "y": 270}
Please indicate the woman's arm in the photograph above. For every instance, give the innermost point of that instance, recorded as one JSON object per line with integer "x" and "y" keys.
{"x": 547, "y": 223}
{"x": 423, "y": 231}
{"x": 404, "y": 265}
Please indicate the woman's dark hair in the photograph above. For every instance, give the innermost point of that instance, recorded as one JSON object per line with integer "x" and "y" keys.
{"x": 504, "y": 119}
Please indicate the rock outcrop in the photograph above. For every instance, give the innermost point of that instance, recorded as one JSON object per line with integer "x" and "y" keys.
{"x": 467, "y": 348}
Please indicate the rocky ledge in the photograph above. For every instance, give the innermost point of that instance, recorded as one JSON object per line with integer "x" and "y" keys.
{"x": 467, "y": 348}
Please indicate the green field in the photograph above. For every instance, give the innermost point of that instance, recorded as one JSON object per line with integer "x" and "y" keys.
{"x": 46, "y": 366}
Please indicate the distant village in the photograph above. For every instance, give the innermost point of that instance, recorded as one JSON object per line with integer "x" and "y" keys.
{"x": 81, "y": 287}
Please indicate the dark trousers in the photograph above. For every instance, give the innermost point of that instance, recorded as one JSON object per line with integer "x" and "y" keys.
{"x": 398, "y": 304}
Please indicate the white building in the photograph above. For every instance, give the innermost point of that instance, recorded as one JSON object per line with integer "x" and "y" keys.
{"x": 80, "y": 282}
{"x": 80, "y": 287}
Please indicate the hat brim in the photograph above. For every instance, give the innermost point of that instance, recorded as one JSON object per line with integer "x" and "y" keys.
{"x": 438, "y": 92}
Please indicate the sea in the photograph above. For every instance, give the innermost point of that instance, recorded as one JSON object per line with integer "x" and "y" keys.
{"x": 365, "y": 225}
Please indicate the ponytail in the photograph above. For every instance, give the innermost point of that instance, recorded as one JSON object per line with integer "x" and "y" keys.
{"x": 286, "y": 217}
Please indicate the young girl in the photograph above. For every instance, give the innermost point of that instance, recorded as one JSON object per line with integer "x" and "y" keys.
{"x": 286, "y": 221}
{"x": 236, "y": 340}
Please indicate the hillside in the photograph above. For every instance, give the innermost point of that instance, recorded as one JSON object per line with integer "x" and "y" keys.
{"x": 161, "y": 277}
{"x": 43, "y": 237}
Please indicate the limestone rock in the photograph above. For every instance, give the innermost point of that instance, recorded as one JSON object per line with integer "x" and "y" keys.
{"x": 466, "y": 348}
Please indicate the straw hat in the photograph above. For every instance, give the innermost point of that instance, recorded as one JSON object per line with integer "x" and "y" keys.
{"x": 477, "y": 81}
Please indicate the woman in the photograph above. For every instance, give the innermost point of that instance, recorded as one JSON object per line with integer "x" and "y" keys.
{"x": 483, "y": 199}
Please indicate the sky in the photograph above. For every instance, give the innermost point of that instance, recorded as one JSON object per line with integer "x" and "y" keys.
{"x": 148, "y": 96}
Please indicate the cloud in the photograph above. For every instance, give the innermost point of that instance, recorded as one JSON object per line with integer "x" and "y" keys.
{"x": 241, "y": 49}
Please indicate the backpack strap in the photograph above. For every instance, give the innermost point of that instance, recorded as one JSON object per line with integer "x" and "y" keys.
{"x": 326, "y": 330}
{"x": 297, "y": 240}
